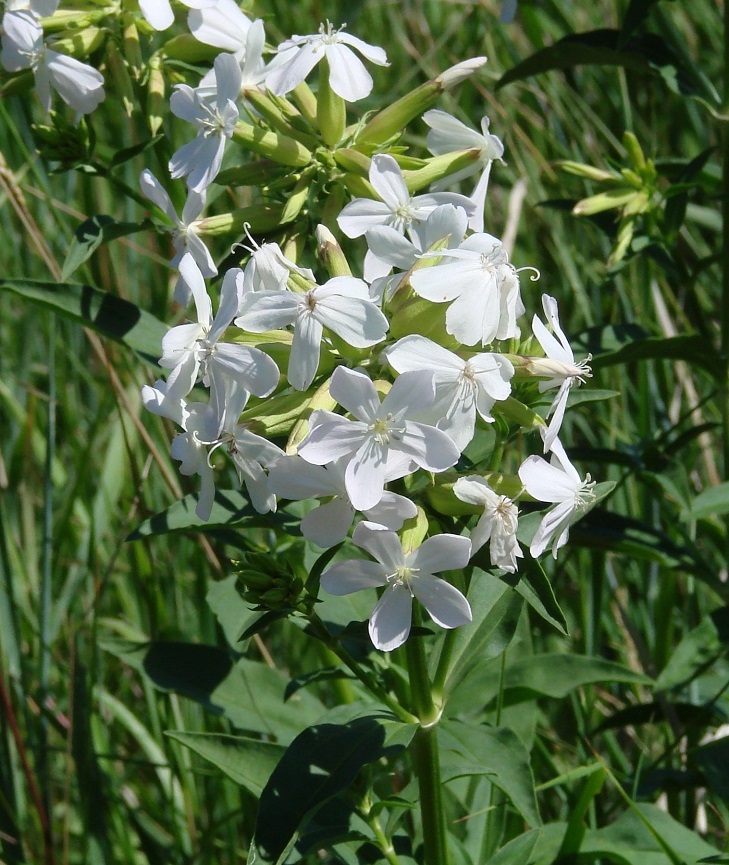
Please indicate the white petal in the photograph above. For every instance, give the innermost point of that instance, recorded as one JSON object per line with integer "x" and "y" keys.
{"x": 331, "y": 440}
{"x": 256, "y": 371}
{"x": 261, "y": 311}
{"x": 354, "y": 391}
{"x": 410, "y": 392}
{"x": 224, "y": 26}
{"x": 199, "y": 160}
{"x": 365, "y": 475}
{"x": 446, "y": 606}
{"x": 545, "y": 482}
{"x": 328, "y": 524}
{"x": 431, "y": 448}
{"x": 474, "y": 316}
{"x": 353, "y": 575}
{"x": 390, "y": 246}
{"x": 178, "y": 343}
{"x": 294, "y": 478}
{"x": 305, "y": 349}
{"x": 229, "y": 299}
{"x": 200, "y": 254}
{"x": 390, "y": 620}
{"x": 158, "y": 13}
{"x": 474, "y": 490}
{"x": 192, "y": 277}
{"x": 381, "y": 543}
{"x": 348, "y": 77}
{"x": 555, "y": 522}
{"x": 228, "y": 78}
{"x": 358, "y": 322}
{"x": 441, "y": 553}
{"x": 373, "y": 53}
{"x": 362, "y": 214}
{"x": 285, "y": 78}
{"x": 157, "y": 194}
{"x": 22, "y": 37}
{"x": 79, "y": 85}
{"x": 557, "y": 410}
{"x": 415, "y": 352}
{"x": 387, "y": 180}
{"x": 550, "y": 345}
{"x": 392, "y": 511}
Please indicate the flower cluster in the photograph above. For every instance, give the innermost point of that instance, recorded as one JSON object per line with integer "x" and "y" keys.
{"x": 395, "y": 357}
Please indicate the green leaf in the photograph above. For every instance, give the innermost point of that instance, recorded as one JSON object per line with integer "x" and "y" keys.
{"x": 249, "y": 762}
{"x": 232, "y": 612}
{"x": 711, "y": 502}
{"x": 694, "y": 349}
{"x": 109, "y": 315}
{"x": 496, "y": 609}
{"x": 497, "y": 752}
{"x": 127, "y": 153}
{"x": 713, "y": 759}
{"x": 319, "y": 764}
{"x": 697, "y": 651}
{"x": 89, "y": 236}
{"x": 325, "y": 674}
{"x": 550, "y": 675}
{"x": 248, "y": 693}
{"x": 230, "y": 508}
{"x": 535, "y": 588}
{"x": 645, "y": 52}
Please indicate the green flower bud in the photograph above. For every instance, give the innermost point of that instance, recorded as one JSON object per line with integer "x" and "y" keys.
{"x": 267, "y": 107}
{"x": 258, "y": 217}
{"x": 279, "y": 148}
{"x": 267, "y": 584}
{"x": 330, "y": 253}
{"x": 156, "y": 99}
{"x": 353, "y": 161}
{"x": 439, "y": 167}
{"x": 413, "y": 531}
{"x": 331, "y": 111}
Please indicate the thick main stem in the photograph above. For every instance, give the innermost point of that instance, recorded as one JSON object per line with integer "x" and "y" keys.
{"x": 426, "y": 760}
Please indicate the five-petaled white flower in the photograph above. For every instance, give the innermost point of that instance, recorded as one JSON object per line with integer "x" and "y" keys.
{"x": 397, "y": 209}
{"x": 383, "y": 442}
{"x": 558, "y": 366}
{"x": 79, "y": 85}
{"x": 342, "y": 305}
{"x": 556, "y": 481}
{"x": 159, "y": 12}
{"x": 497, "y": 524}
{"x": 447, "y": 134}
{"x": 214, "y": 112}
{"x": 194, "y": 349}
{"x": 480, "y": 282}
{"x": 462, "y": 387}
{"x": 184, "y": 232}
{"x": 293, "y": 478}
{"x": 348, "y": 77}
{"x": 405, "y": 575}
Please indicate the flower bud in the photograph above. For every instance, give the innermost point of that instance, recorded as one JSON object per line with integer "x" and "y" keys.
{"x": 393, "y": 119}
{"x": 267, "y": 584}
{"x": 321, "y": 399}
{"x": 439, "y": 167}
{"x": 331, "y": 111}
{"x": 330, "y": 253}
{"x": 413, "y": 531}
{"x": 589, "y": 172}
{"x": 156, "y": 102}
{"x": 279, "y": 148}
{"x": 353, "y": 161}
{"x": 81, "y": 42}
{"x": 613, "y": 198}
{"x": 267, "y": 107}
{"x": 259, "y": 217}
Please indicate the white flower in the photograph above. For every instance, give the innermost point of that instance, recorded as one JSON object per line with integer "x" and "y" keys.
{"x": 348, "y": 77}
{"x": 397, "y": 209}
{"x": 462, "y": 387}
{"x": 556, "y": 481}
{"x": 475, "y": 277}
{"x": 405, "y": 576}
{"x": 447, "y": 134}
{"x": 159, "y": 12}
{"x": 78, "y": 84}
{"x": 190, "y": 350}
{"x": 268, "y": 269}
{"x": 559, "y": 366}
{"x": 342, "y": 305}
{"x": 190, "y": 447}
{"x": 215, "y": 114}
{"x": 293, "y": 478}
{"x": 185, "y": 235}
{"x": 222, "y": 25}
{"x": 497, "y": 525}
{"x": 383, "y": 442}
{"x": 388, "y": 246}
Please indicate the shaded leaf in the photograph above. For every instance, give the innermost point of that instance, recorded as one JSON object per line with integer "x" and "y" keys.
{"x": 232, "y": 612}
{"x": 654, "y": 712}
{"x": 230, "y": 508}
{"x": 109, "y": 315}
{"x": 319, "y": 764}
{"x": 713, "y": 501}
{"x": 497, "y": 752}
{"x": 694, "y": 349}
{"x": 89, "y": 236}
{"x": 127, "y": 153}
{"x": 698, "y": 649}
{"x": 248, "y": 693}
{"x": 249, "y": 762}
{"x": 324, "y": 675}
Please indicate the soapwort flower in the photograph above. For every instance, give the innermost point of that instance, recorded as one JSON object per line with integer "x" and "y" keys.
{"x": 292, "y": 477}
{"x": 559, "y": 367}
{"x": 447, "y": 134}
{"x": 480, "y": 285}
{"x": 342, "y": 305}
{"x": 383, "y": 442}
{"x": 397, "y": 209}
{"x": 184, "y": 232}
{"x": 406, "y": 576}
{"x": 79, "y": 85}
{"x": 463, "y": 388}
{"x": 497, "y": 526}
{"x": 348, "y": 76}
{"x": 214, "y": 112}
{"x": 556, "y": 481}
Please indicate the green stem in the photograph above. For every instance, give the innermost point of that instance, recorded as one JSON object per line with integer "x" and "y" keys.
{"x": 426, "y": 760}
{"x": 367, "y": 679}
{"x": 444, "y": 662}
{"x": 383, "y": 842}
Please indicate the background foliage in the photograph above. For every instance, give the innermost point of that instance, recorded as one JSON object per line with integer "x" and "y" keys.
{"x": 83, "y": 755}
